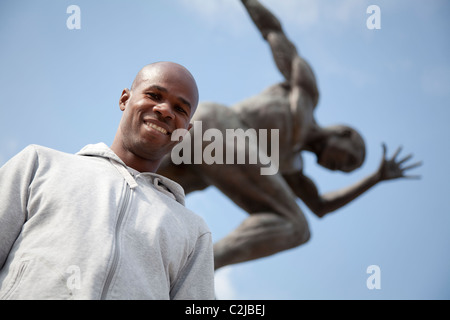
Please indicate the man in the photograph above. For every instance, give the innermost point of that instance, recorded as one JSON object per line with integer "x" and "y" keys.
{"x": 101, "y": 224}
{"x": 276, "y": 222}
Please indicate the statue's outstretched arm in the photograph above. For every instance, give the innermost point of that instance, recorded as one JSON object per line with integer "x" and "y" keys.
{"x": 283, "y": 50}
{"x": 307, "y": 191}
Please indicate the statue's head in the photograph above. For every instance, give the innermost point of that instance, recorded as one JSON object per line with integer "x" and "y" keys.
{"x": 343, "y": 149}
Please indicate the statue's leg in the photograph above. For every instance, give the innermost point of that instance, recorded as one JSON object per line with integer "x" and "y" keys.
{"x": 275, "y": 223}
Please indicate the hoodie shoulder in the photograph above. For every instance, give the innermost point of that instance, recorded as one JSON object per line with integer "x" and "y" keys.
{"x": 40, "y": 150}
{"x": 99, "y": 150}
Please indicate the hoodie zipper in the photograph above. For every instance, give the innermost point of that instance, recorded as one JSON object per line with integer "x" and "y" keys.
{"x": 116, "y": 255}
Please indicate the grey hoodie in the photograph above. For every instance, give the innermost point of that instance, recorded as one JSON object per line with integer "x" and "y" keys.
{"x": 86, "y": 226}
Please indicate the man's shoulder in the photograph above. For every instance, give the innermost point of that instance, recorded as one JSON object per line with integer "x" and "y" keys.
{"x": 199, "y": 221}
{"x": 34, "y": 150}
{"x": 49, "y": 156}
{"x": 40, "y": 148}
{"x": 45, "y": 152}
{"x": 35, "y": 155}
{"x": 191, "y": 221}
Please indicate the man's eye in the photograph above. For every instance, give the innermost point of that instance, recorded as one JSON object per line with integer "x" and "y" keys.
{"x": 180, "y": 109}
{"x": 154, "y": 96}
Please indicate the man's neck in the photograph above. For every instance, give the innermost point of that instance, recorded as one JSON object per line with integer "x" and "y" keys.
{"x": 133, "y": 160}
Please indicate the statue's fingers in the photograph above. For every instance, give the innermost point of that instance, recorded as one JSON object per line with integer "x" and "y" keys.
{"x": 412, "y": 166}
{"x": 414, "y": 177}
{"x": 397, "y": 152}
{"x": 384, "y": 150}
{"x": 405, "y": 159}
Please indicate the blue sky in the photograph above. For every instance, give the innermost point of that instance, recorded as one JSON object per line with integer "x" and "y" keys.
{"x": 60, "y": 88}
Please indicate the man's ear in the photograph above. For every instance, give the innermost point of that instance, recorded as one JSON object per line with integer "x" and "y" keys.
{"x": 189, "y": 126}
{"x": 126, "y": 94}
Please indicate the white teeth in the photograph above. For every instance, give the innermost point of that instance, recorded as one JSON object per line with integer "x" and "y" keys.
{"x": 154, "y": 126}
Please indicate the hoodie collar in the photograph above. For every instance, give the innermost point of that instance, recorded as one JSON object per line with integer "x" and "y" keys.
{"x": 103, "y": 151}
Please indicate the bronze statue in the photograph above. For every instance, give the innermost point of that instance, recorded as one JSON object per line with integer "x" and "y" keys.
{"x": 275, "y": 221}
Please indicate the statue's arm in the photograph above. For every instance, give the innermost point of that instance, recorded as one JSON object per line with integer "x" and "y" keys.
{"x": 294, "y": 68}
{"x": 321, "y": 205}
{"x": 283, "y": 50}
{"x": 264, "y": 20}
{"x": 307, "y": 191}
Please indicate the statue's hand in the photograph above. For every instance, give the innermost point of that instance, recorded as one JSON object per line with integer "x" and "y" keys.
{"x": 392, "y": 168}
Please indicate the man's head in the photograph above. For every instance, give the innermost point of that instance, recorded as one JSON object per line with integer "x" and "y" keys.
{"x": 344, "y": 149}
{"x": 162, "y": 98}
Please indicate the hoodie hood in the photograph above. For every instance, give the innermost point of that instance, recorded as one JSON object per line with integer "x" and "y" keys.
{"x": 165, "y": 185}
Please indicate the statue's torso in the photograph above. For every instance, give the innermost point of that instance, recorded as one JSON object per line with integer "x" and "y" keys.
{"x": 268, "y": 110}
{"x": 271, "y": 109}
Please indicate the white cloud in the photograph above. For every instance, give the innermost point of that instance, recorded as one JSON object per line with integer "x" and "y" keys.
{"x": 225, "y": 289}
{"x": 346, "y": 10}
{"x": 302, "y": 13}
{"x": 306, "y": 13}
{"x": 212, "y": 8}
{"x": 218, "y": 13}
{"x": 294, "y": 13}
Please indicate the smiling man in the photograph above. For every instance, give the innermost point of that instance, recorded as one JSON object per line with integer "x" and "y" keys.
{"x": 152, "y": 112}
{"x": 101, "y": 224}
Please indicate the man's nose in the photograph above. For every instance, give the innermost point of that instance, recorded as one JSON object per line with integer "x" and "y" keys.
{"x": 165, "y": 110}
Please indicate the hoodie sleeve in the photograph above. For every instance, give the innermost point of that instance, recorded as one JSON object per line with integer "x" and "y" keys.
{"x": 15, "y": 178}
{"x": 196, "y": 281}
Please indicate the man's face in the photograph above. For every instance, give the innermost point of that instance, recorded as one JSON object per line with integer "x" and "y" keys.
{"x": 163, "y": 98}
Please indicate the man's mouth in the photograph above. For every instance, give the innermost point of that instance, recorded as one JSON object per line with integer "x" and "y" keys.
{"x": 156, "y": 127}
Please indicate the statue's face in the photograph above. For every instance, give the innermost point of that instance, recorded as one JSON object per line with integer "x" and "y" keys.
{"x": 344, "y": 150}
